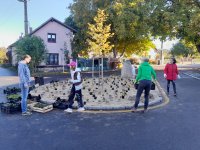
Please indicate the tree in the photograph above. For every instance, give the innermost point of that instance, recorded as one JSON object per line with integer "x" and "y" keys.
{"x": 173, "y": 19}
{"x": 99, "y": 34}
{"x": 188, "y": 20}
{"x": 3, "y": 57}
{"x": 70, "y": 22}
{"x": 125, "y": 20}
{"x": 182, "y": 50}
{"x": 33, "y": 46}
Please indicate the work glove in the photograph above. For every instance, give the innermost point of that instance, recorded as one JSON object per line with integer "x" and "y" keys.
{"x": 179, "y": 76}
{"x": 165, "y": 76}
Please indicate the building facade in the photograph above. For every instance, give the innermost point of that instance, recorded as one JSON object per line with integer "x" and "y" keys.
{"x": 57, "y": 37}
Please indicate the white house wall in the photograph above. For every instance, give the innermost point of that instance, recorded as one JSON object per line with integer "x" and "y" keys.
{"x": 62, "y": 37}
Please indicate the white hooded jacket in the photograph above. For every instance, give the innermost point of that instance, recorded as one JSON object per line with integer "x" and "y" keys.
{"x": 78, "y": 70}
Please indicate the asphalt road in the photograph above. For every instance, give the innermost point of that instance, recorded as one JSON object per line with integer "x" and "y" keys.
{"x": 6, "y": 72}
{"x": 175, "y": 126}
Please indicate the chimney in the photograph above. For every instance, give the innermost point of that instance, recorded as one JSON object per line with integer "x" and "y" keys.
{"x": 30, "y": 29}
{"x": 21, "y": 36}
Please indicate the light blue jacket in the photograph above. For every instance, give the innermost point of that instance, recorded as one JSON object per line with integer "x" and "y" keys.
{"x": 24, "y": 73}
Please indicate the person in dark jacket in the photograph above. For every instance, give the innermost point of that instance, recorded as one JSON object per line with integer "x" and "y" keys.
{"x": 24, "y": 79}
{"x": 144, "y": 77}
{"x": 171, "y": 74}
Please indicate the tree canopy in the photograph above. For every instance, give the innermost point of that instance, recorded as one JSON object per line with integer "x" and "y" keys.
{"x": 123, "y": 17}
{"x": 99, "y": 33}
{"x": 33, "y": 46}
{"x": 182, "y": 49}
{"x": 136, "y": 21}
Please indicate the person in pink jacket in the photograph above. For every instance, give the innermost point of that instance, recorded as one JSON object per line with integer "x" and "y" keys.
{"x": 171, "y": 74}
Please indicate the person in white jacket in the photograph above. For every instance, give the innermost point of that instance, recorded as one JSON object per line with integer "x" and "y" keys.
{"x": 76, "y": 88}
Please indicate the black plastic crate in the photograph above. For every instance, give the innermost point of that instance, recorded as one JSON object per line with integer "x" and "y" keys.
{"x": 10, "y": 108}
{"x": 61, "y": 104}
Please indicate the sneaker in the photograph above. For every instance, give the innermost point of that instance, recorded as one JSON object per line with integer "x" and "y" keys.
{"x": 145, "y": 111}
{"x": 81, "y": 109}
{"x": 27, "y": 113}
{"x": 133, "y": 110}
{"x": 68, "y": 110}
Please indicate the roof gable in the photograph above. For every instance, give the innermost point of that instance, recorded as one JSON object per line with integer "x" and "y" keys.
{"x": 52, "y": 20}
{"x": 45, "y": 23}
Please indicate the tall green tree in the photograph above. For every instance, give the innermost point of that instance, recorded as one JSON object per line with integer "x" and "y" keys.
{"x": 182, "y": 50}
{"x": 33, "y": 46}
{"x": 126, "y": 20}
{"x": 188, "y": 20}
{"x": 169, "y": 19}
{"x": 124, "y": 17}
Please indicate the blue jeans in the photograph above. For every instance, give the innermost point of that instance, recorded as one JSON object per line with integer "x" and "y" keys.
{"x": 146, "y": 86}
{"x": 24, "y": 95}
{"x": 174, "y": 85}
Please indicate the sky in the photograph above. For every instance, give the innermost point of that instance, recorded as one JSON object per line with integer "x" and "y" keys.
{"x": 39, "y": 11}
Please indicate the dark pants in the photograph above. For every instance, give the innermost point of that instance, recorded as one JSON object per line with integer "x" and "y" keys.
{"x": 174, "y": 85}
{"x": 143, "y": 85}
{"x": 78, "y": 95}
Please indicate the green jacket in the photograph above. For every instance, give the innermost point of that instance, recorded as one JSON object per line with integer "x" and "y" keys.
{"x": 145, "y": 72}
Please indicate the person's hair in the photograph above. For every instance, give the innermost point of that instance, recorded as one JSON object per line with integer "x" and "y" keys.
{"x": 26, "y": 56}
{"x": 144, "y": 59}
{"x": 174, "y": 60}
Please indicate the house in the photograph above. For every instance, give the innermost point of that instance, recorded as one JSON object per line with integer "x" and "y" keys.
{"x": 57, "y": 38}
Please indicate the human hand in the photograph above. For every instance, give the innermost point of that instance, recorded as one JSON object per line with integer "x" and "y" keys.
{"x": 26, "y": 85}
{"x": 165, "y": 76}
{"x": 135, "y": 82}
{"x": 179, "y": 76}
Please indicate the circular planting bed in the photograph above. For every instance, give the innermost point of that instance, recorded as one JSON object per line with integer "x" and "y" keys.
{"x": 114, "y": 93}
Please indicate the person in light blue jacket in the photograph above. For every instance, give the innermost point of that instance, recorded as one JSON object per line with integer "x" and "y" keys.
{"x": 24, "y": 82}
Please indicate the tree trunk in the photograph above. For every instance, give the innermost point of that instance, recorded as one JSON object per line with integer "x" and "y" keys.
{"x": 92, "y": 67}
{"x": 124, "y": 49}
{"x": 102, "y": 68}
{"x": 198, "y": 47}
{"x": 114, "y": 53}
{"x": 99, "y": 70}
{"x": 162, "y": 56}
{"x": 102, "y": 82}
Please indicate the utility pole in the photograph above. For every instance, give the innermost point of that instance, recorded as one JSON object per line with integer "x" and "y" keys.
{"x": 25, "y": 16}
{"x": 162, "y": 54}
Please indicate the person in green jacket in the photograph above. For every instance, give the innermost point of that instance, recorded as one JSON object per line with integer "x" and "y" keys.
{"x": 144, "y": 77}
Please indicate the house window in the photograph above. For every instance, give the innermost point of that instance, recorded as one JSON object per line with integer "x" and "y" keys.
{"x": 52, "y": 59}
{"x": 51, "y": 37}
